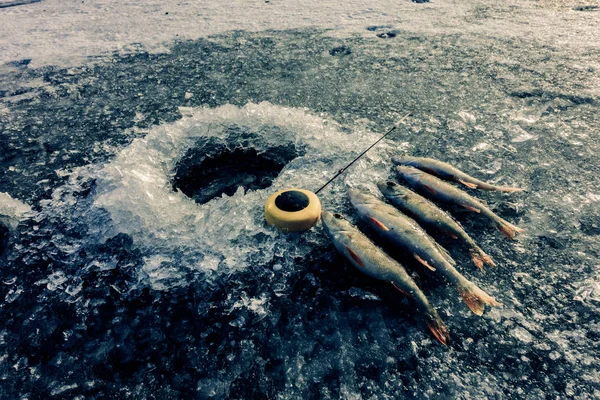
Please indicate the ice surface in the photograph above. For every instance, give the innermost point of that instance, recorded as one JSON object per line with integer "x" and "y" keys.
{"x": 115, "y": 287}
{"x": 12, "y": 210}
{"x": 588, "y": 291}
{"x": 93, "y": 29}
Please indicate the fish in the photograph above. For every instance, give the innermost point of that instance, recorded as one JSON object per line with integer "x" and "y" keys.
{"x": 430, "y": 215}
{"x": 402, "y": 231}
{"x": 373, "y": 261}
{"x": 447, "y": 172}
{"x": 444, "y": 192}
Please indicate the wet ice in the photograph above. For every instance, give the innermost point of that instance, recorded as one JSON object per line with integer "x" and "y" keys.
{"x": 136, "y": 296}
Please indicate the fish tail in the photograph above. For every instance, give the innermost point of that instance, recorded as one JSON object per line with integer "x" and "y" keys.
{"x": 509, "y": 189}
{"x": 437, "y": 327}
{"x": 476, "y": 298}
{"x": 509, "y": 230}
{"x": 488, "y": 186}
{"x": 479, "y": 258}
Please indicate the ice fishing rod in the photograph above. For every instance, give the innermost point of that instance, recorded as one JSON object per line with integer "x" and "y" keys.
{"x": 294, "y": 210}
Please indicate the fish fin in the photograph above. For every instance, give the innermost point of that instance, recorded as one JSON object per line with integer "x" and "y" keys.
{"x": 355, "y": 256}
{"x": 423, "y": 262}
{"x": 509, "y": 189}
{"x": 445, "y": 253}
{"x": 467, "y": 184}
{"x": 477, "y": 259}
{"x": 438, "y": 328}
{"x": 476, "y": 298}
{"x": 379, "y": 224}
{"x": 471, "y": 208}
{"x": 431, "y": 190}
{"x": 508, "y": 229}
{"x": 486, "y": 259}
{"x": 404, "y": 292}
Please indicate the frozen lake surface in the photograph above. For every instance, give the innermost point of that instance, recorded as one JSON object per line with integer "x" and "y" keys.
{"x": 120, "y": 278}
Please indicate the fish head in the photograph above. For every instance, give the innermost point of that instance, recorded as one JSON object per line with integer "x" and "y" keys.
{"x": 334, "y": 223}
{"x": 358, "y": 196}
{"x": 404, "y": 160}
{"x": 408, "y": 173}
{"x": 392, "y": 189}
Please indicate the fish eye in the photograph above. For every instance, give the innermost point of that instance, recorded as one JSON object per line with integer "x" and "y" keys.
{"x": 338, "y": 216}
{"x": 391, "y": 184}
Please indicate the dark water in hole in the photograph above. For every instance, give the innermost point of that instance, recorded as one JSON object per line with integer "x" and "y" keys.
{"x": 225, "y": 173}
{"x": 79, "y": 322}
{"x": 213, "y": 167}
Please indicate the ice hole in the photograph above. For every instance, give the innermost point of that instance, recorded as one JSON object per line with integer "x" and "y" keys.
{"x": 212, "y": 167}
{"x": 178, "y": 235}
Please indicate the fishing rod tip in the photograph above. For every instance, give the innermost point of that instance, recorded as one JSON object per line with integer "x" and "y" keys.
{"x": 397, "y": 124}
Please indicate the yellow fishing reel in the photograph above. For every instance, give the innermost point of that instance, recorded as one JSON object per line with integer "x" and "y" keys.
{"x": 293, "y": 210}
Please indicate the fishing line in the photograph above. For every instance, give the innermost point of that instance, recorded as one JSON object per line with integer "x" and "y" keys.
{"x": 341, "y": 171}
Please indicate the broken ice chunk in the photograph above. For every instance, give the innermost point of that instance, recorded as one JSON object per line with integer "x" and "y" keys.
{"x": 520, "y": 135}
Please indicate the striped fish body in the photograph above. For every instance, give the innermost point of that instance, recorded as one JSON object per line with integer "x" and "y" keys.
{"x": 431, "y": 216}
{"x": 400, "y": 230}
{"x": 404, "y": 232}
{"x": 364, "y": 254}
{"x": 444, "y": 192}
{"x": 371, "y": 260}
{"x": 417, "y": 206}
{"x": 450, "y": 173}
